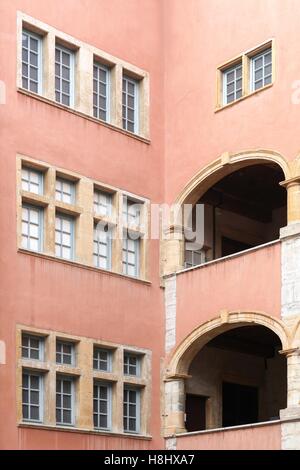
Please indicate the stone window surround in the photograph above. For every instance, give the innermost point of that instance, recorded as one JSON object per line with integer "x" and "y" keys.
{"x": 245, "y": 58}
{"x": 85, "y": 55}
{"x": 84, "y": 376}
{"x": 84, "y": 217}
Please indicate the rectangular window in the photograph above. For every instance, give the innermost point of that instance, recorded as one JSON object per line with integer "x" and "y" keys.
{"x": 65, "y": 400}
{"x": 232, "y": 83}
{"x": 102, "y": 203}
{"x": 32, "y": 347}
{"x": 65, "y": 352}
{"x": 194, "y": 257}
{"x": 32, "y": 181}
{"x": 31, "y": 62}
{"x": 102, "y": 359}
{"x": 65, "y": 191}
{"x": 64, "y": 236}
{"x": 130, "y": 256}
{"x": 32, "y": 396}
{"x": 101, "y": 79}
{"x": 32, "y": 226}
{"x": 64, "y": 76}
{"x": 102, "y": 405}
{"x": 131, "y": 212}
{"x": 261, "y": 69}
{"x": 132, "y": 364}
{"x": 130, "y": 104}
{"x": 102, "y": 246}
{"x": 131, "y": 410}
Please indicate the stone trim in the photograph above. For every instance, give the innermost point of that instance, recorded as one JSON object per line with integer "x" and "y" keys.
{"x": 170, "y": 313}
{"x": 84, "y": 216}
{"x": 244, "y": 58}
{"x": 84, "y": 376}
{"x": 85, "y": 54}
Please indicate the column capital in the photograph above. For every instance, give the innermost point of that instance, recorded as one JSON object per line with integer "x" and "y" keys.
{"x": 290, "y": 182}
{"x": 171, "y": 377}
{"x": 290, "y": 352}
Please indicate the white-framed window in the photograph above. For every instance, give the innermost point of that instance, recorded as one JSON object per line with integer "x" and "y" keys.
{"x": 232, "y": 83}
{"x": 193, "y": 256}
{"x": 65, "y": 352}
{"x": 102, "y": 246}
{"x": 32, "y": 228}
{"x": 102, "y": 203}
{"x": 131, "y": 409}
{"x": 31, "y": 61}
{"x": 64, "y": 236}
{"x": 102, "y": 359}
{"x": 132, "y": 364}
{"x": 261, "y": 69}
{"x": 130, "y": 104}
{"x": 130, "y": 256}
{"x": 65, "y": 400}
{"x": 64, "y": 75}
{"x": 65, "y": 190}
{"x": 101, "y": 91}
{"x": 102, "y": 405}
{"x": 32, "y": 180}
{"x": 32, "y": 396}
{"x": 32, "y": 347}
{"x": 131, "y": 212}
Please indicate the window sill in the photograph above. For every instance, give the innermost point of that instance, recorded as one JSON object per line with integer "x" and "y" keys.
{"x": 242, "y": 98}
{"x": 83, "y": 115}
{"x": 84, "y": 266}
{"x": 62, "y": 428}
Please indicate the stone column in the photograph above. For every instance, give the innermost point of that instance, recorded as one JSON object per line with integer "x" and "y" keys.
{"x": 174, "y": 406}
{"x": 173, "y": 249}
{"x": 290, "y": 271}
{"x": 293, "y": 199}
{"x": 290, "y": 416}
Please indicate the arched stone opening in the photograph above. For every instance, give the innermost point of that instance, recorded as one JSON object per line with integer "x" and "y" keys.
{"x": 237, "y": 378}
{"x": 243, "y": 205}
{"x": 233, "y": 358}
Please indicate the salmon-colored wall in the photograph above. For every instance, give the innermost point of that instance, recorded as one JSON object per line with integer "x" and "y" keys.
{"x": 200, "y": 35}
{"x": 58, "y": 296}
{"x": 245, "y": 282}
{"x": 266, "y": 437}
{"x": 180, "y": 44}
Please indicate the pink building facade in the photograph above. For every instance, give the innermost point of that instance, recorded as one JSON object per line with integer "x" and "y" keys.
{"x": 117, "y": 331}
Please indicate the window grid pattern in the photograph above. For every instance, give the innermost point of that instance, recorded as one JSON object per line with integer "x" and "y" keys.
{"x": 232, "y": 79}
{"x": 31, "y": 61}
{"x": 102, "y": 203}
{"x": 102, "y": 246}
{"x": 64, "y": 237}
{"x": 32, "y": 228}
{"x": 132, "y": 364}
{"x": 64, "y": 353}
{"x": 131, "y": 410}
{"x": 131, "y": 212}
{"x": 64, "y": 400}
{"x": 102, "y": 359}
{"x": 32, "y": 347}
{"x": 32, "y": 396}
{"x": 130, "y": 104}
{"x": 194, "y": 258}
{"x": 102, "y": 406}
{"x": 32, "y": 181}
{"x": 65, "y": 191}
{"x": 101, "y": 92}
{"x": 261, "y": 68}
{"x": 130, "y": 256}
{"x": 64, "y": 75}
